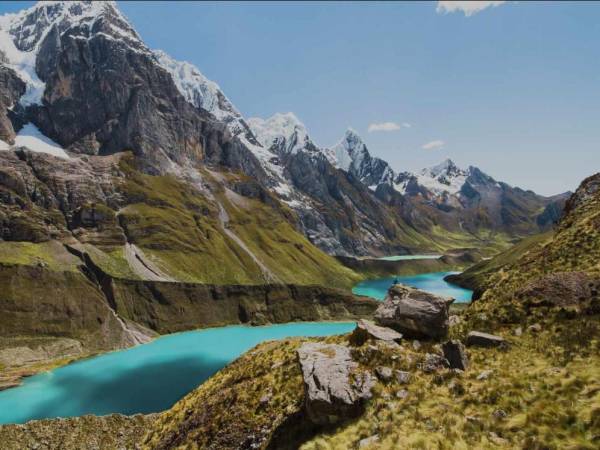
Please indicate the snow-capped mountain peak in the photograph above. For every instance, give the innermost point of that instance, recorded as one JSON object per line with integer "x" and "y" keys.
{"x": 446, "y": 167}
{"x": 443, "y": 177}
{"x": 23, "y": 34}
{"x": 201, "y": 92}
{"x": 282, "y": 132}
{"x": 350, "y": 151}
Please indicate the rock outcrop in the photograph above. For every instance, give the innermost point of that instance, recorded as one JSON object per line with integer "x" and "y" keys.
{"x": 366, "y": 330}
{"x": 456, "y": 354}
{"x": 479, "y": 339}
{"x": 575, "y": 290}
{"x": 414, "y": 313}
{"x": 11, "y": 89}
{"x": 334, "y": 387}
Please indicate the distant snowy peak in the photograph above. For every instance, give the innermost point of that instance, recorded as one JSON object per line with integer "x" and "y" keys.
{"x": 352, "y": 155}
{"x": 350, "y": 151}
{"x": 282, "y": 133}
{"x": 443, "y": 177}
{"x": 23, "y": 34}
{"x": 202, "y": 92}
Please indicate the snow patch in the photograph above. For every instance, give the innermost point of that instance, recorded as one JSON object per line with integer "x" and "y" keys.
{"x": 32, "y": 138}
{"x": 23, "y": 63}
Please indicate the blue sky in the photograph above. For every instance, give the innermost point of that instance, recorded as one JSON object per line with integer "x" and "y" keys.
{"x": 513, "y": 89}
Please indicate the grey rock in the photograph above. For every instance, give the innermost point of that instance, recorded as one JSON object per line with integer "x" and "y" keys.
{"x": 414, "y": 313}
{"x": 416, "y": 345}
{"x": 368, "y": 442}
{"x": 433, "y": 363}
{"x": 485, "y": 374}
{"x": 535, "y": 328}
{"x": 367, "y": 330}
{"x": 11, "y": 88}
{"x": 402, "y": 394}
{"x": 456, "y": 354}
{"x": 518, "y": 331}
{"x": 454, "y": 320}
{"x": 384, "y": 373}
{"x": 330, "y": 393}
{"x": 402, "y": 377}
{"x": 479, "y": 339}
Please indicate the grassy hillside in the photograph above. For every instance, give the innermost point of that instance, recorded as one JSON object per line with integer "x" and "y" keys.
{"x": 540, "y": 391}
{"x": 181, "y": 230}
{"x": 574, "y": 247}
{"x": 478, "y": 276}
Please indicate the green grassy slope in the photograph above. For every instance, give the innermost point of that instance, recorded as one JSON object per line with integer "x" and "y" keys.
{"x": 541, "y": 391}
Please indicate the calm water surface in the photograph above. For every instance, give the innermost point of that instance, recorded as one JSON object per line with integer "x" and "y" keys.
{"x": 431, "y": 282}
{"x": 143, "y": 379}
{"x": 408, "y": 257}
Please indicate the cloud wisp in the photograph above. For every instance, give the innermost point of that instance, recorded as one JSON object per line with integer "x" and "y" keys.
{"x": 434, "y": 145}
{"x": 387, "y": 126}
{"x": 468, "y": 8}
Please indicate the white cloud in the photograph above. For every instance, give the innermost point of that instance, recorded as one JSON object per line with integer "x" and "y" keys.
{"x": 387, "y": 126}
{"x": 468, "y": 8}
{"x": 434, "y": 145}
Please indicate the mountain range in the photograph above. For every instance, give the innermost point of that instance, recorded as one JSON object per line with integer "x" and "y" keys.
{"x": 80, "y": 90}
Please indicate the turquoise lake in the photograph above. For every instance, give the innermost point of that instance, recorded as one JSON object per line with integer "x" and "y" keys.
{"x": 431, "y": 282}
{"x": 408, "y": 257}
{"x": 147, "y": 378}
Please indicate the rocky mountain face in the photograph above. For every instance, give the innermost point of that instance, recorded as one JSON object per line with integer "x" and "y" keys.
{"x": 95, "y": 88}
{"x": 80, "y": 77}
{"x": 458, "y": 200}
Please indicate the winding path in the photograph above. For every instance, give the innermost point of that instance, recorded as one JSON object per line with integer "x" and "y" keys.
{"x": 142, "y": 266}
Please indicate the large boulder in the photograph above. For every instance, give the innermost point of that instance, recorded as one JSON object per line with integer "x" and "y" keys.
{"x": 414, "y": 313}
{"x": 480, "y": 339}
{"x": 366, "y": 330}
{"x": 574, "y": 290}
{"x": 456, "y": 354}
{"x": 334, "y": 387}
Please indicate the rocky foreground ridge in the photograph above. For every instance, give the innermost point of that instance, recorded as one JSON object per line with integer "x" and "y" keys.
{"x": 530, "y": 384}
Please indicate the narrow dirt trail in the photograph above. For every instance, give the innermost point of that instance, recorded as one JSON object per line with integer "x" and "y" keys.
{"x": 268, "y": 275}
{"x": 224, "y": 220}
{"x": 142, "y": 266}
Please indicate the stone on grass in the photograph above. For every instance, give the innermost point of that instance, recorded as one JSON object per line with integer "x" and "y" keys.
{"x": 479, "y": 339}
{"x": 433, "y": 363}
{"x": 402, "y": 394}
{"x": 454, "y": 320}
{"x": 366, "y": 330}
{"x": 456, "y": 354}
{"x": 518, "y": 331}
{"x": 384, "y": 373}
{"x": 414, "y": 313}
{"x": 368, "y": 442}
{"x": 402, "y": 377}
{"x": 334, "y": 387}
{"x": 485, "y": 374}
